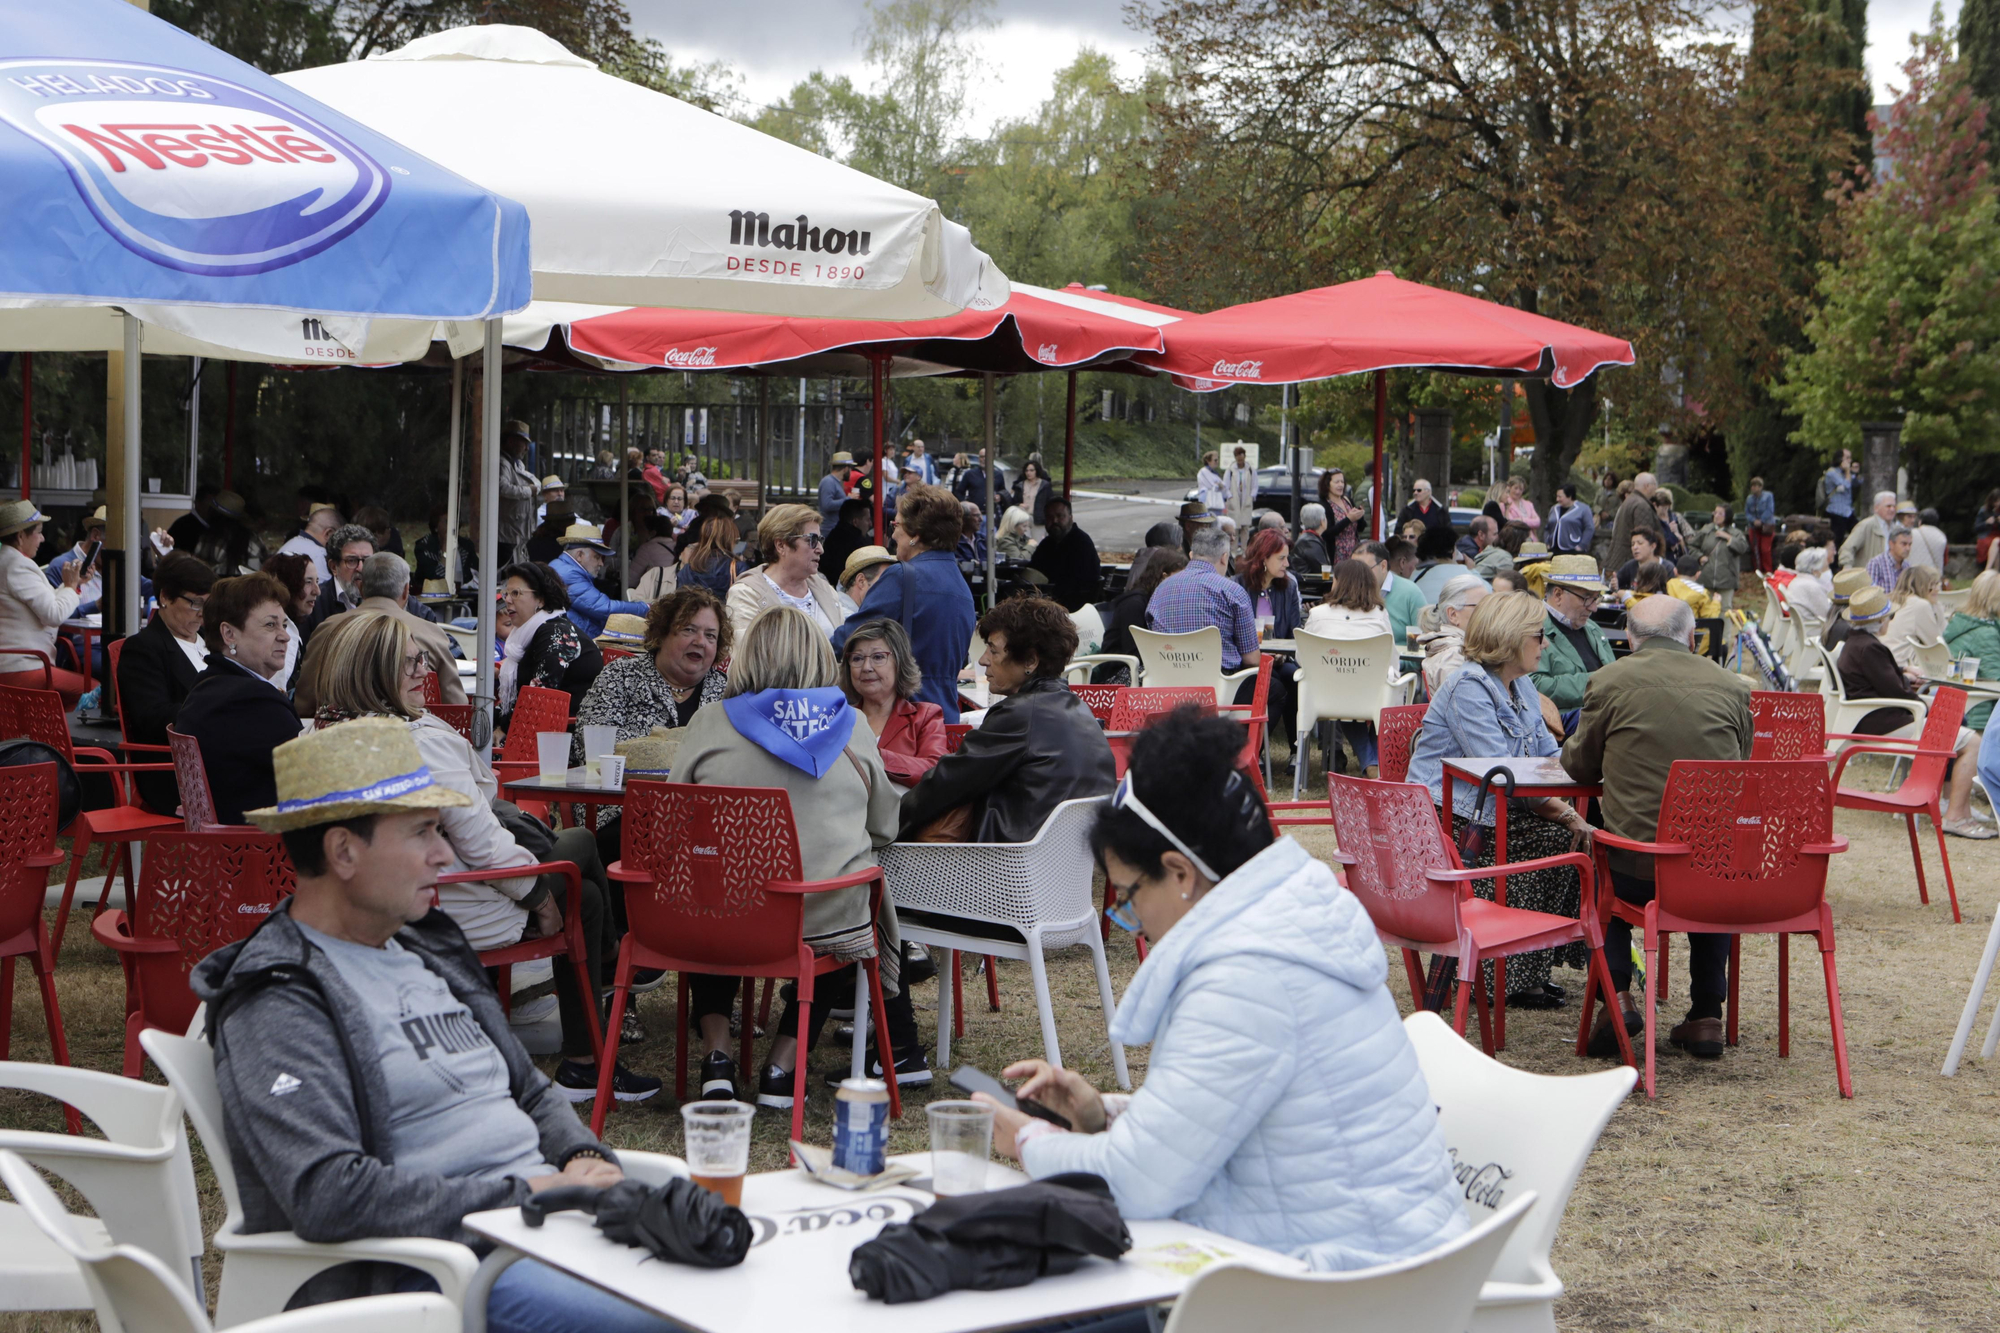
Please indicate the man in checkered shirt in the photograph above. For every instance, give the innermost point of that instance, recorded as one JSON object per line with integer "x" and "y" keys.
{"x": 1203, "y": 594}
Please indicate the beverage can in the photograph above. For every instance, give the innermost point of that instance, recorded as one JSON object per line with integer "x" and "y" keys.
{"x": 861, "y": 1126}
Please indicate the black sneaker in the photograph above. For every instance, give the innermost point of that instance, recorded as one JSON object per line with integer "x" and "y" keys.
{"x": 918, "y": 966}
{"x": 578, "y": 1083}
{"x": 911, "y": 1070}
{"x": 775, "y": 1088}
{"x": 718, "y": 1078}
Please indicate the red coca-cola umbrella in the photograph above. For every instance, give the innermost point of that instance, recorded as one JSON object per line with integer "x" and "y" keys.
{"x": 1375, "y": 325}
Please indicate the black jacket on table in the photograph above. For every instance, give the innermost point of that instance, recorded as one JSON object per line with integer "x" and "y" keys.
{"x": 1035, "y": 749}
{"x": 1070, "y": 561}
{"x": 239, "y": 718}
{"x": 154, "y": 677}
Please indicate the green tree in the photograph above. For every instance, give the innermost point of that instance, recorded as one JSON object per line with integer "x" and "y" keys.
{"x": 1979, "y": 48}
{"x": 1909, "y": 325}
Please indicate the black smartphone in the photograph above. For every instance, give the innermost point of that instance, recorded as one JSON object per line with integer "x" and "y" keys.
{"x": 967, "y": 1079}
{"x": 89, "y": 555}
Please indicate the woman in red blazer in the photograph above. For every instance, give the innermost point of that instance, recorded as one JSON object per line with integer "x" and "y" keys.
{"x": 879, "y": 673}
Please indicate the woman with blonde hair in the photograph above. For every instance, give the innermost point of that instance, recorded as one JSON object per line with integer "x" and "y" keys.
{"x": 1515, "y": 507}
{"x": 1974, "y": 631}
{"x": 371, "y": 667}
{"x": 1015, "y": 541}
{"x": 786, "y": 723}
{"x": 1918, "y": 617}
{"x": 789, "y": 539}
{"x": 1490, "y": 707}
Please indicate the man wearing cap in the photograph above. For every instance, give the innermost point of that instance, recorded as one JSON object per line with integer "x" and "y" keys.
{"x": 858, "y": 575}
{"x": 311, "y": 540}
{"x": 1845, "y": 584}
{"x": 554, "y": 490}
{"x": 1886, "y": 567}
{"x": 1870, "y": 536}
{"x": 1659, "y": 704}
{"x": 581, "y": 561}
{"x": 1572, "y": 645}
{"x": 833, "y": 489}
{"x": 187, "y": 529}
{"x": 91, "y": 589}
{"x": 370, "y": 1083}
{"x": 1868, "y": 670}
{"x": 518, "y": 485}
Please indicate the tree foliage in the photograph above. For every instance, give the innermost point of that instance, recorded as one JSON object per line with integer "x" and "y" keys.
{"x": 1908, "y": 326}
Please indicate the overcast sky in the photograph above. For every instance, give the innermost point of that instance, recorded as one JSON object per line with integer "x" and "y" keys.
{"x": 777, "y": 42}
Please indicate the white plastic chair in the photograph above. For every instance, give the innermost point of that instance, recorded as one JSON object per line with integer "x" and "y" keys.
{"x": 1844, "y": 714}
{"x": 1432, "y": 1293}
{"x": 1194, "y": 658}
{"x": 1768, "y": 618}
{"x": 139, "y": 1178}
{"x": 1933, "y": 659}
{"x": 1802, "y": 650}
{"x": 1954, "y": 599}
{"x": 1039, "y": 891}
{"x": 1973, "y": 999}
{"x": 133, "y": 1291}
{"x": 1509, "y": 1130}
{"x": 1344, "y": 680}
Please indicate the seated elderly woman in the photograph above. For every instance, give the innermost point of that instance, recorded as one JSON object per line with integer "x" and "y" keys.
{"x": 301, "y": 594}
{"x": 370, "y": 666}
{"x": 544, "y": 646}
{"x": 1918, "y": 617}
{"x": 1306, "y": 1126}
{"x": 159, "y": 666}
{"x": 789, "y": 539}
{"x": 1811, "y": 590}
{"x": 1036, "y": 748}
{"x": 1442, "y": 636}
{"x": 31, "y": 610}
{"x": 236, "y": 711}
{"x": 879, "y": 675}
{"x": 1488, "y": 707}
{"x": 844, "y": 807}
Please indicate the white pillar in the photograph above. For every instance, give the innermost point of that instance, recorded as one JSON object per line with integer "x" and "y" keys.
{"x": 450, "y": 551}
{"x": 489, "y": 511}
{"x": 134, "y": 532}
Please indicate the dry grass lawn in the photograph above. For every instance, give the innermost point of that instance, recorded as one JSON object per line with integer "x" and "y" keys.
{"x": 1749, "y": 1196}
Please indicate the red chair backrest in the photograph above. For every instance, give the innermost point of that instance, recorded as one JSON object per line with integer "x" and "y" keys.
{"x": 48, "y": 679}
{"x": 954, "y": 735}
{"x": 1098, "y": 698}
{"x": 1752, "y": 826}
{"x": 112, "y": 652}
{"x": 536, "y": 709}
{"x": 28, "y": 802}
{"x": 613, "y": 654}
{"x": 1941, "y": 723}
{"x": 433, "y": 690}
{"x": 191, "y": 775}
{"x": 709, "y": 852}
{"x": 201, "y": 891}
{"x": 1787, "y": 724}
{"x": 458, "y": 716}
{"x": 1135, "y": 705}
{"x": 37, "y": 715}
{"x": 1391, "y": 830}
{"x": 1394, "y": 737}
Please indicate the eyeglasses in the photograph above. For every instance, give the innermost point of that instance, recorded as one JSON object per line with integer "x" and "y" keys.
{"x": 1537, "y": 635}
{"x": 416, "y": 666}
{"x": 192, "y": 603}
{"x": 877, "y": 660}
{"x": 813, "y": 539}
{"x": 354, "y": 561}
{"x": 1125, "y": 798}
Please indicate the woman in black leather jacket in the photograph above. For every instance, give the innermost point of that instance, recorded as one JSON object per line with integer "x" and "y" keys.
{"x": 1038, "y": 747}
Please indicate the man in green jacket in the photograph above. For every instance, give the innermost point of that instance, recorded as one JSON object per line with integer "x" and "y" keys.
{"x": 1572, "y": 646}
{"x": 1722, "y": 546}
{"x": 1661, "y": 703}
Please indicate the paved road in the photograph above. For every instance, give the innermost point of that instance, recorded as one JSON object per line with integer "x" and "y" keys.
{"x": 1116, "y": 514}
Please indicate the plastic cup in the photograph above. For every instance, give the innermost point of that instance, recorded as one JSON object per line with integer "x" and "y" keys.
{"x": 1968, "y": 669}
{"x": 611, "y": 771}
{"x": 718, "y": 1146}
{"x": 961, "y": 1144}
{"x": 552, "y": 755}
{"x": 597, "y": 740}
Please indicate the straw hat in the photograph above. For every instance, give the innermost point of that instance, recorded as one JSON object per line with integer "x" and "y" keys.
{"x": 17, "y": 515}
{"x": 1905, "y": 507}
{"x": 1848, "y": 582}
{"x": 841, "y": 459}
{"x": 553, "y": 483}
{"x": 623, "y": 630}
{"x": 230, "y": 503}
{"x": 1530, "y": 552}
{"x": 1197, "y": 512}
{"x": 98, "y": 519}
{"x": 1867, "y": 606}
{"x": 867, "y": 557}
{"x": 369, "y": 766}
{"x": 585, "y": 534}
{"x": 1574, "y": 571}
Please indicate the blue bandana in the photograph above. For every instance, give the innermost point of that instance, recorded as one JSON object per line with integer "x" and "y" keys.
{"x": 805, "y": 728}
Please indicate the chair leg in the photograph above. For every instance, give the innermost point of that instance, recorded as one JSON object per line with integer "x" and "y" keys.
{"x": 992, "y": 984}
{"x": 1045, "y": 1003}
{"x": 764, "y": 1007}
{"x": 873, "y": 986}
{"x": 680, "y": 1032}
{"x": 1917, "y": 855}
{"x": 1973, "y": 999}
{"x": 958, "y": 993}
{"x": 76, "y": 858}
{"x": 804, "y": 1007}
{"x": 1735, "y": 969}
{"x": 6, "y": 1005}
{"x": 1589, "y": 1005}
{"x": 621, "y": 991}
{"x": 1298, "y": 760}
{"x": 45, "y": 974}
{"x": 1937, "y": 827}
{"x": 1482, "y": 1005}
{"x": 1458, "y": 1010}
{"x": 857, "y": 1059}
{"x": 1416, "y": 975}
{"x": 1784, "y": 995}
{"x": 1499, "y": 1004}
{"x": 1110, "y": 1003}
{"x": 950, "y": 999}
{"x": 503, "y": 986}
{"x": 1655, "y": 958}
{"x": 746, "y": 1031}
{"x": 1840, "y": 1068}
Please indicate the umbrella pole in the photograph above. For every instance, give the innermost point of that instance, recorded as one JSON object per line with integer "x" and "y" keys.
{"x": 875, "y": 378}
{"x": 992, "y": 471}
{"x": 1069, "y": 438}
{"x": 229, "y": 431}
{"x": 1380, "y": 532}
{"x": 624, "y": 491}
{"x": 450, "y": 551}
{"x": 27, "y": 422}
{"x": 763, "y": 446}
{"x": 131, "y": 534}
{"x": 489, "y": 515}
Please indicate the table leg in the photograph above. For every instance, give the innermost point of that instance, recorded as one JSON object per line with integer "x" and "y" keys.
{"x": 857, "y": 1060}
{"x": 1500, "y": 898}
{"x": 481, "y": 1287}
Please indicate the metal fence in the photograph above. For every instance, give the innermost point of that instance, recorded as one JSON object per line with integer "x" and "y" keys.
{"x": 723, "y": 437}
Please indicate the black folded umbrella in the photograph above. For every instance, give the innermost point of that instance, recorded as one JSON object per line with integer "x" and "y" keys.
{"x": 987, "y": 1242}
{"x": 678, "y": 1221}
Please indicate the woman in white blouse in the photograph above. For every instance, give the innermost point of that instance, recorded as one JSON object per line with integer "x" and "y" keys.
{"x": 31, "y": 610}
{"x": 1353, "y": 609}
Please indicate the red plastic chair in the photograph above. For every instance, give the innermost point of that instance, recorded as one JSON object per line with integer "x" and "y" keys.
{"x": 1136, "y": 705}
{"x": 113, "y": 651}
{"x": 457, "y": 716}
{"x": 39, "y": 716}
{"x": 48, "y": 667}
{"x": 613, "y": 654}
{"x": 1098, "y": 698}
{"x": 1256, "y": 719}
{"x": 1921, "y": 791}
{"x": 191, "y": 775}
{"x": 433, "y": 691}
{"x": 28, "y": 800}
{"x": 536, "y": 709}
{"x": 954, "y": 735}
{"x": 1742, "y": 850}
{"x": 713, "y": 885}
{"x": 197, "y": 892}
{"x": 1788, "y": 724}
{"x": 1408, "y": 876}
{"x": 568, "y": 945}
{"x": 1395, "y": 736}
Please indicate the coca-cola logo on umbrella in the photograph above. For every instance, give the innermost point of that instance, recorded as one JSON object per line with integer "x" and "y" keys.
{"x": 693, "y": 356}
{"x": 193, "y": 172}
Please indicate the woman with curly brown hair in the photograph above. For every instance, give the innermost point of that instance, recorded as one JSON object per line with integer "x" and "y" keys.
{"x": 675, "y": 676}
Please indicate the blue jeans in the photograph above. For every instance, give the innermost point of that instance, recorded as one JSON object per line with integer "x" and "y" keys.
{"x": 531, "y": 1297}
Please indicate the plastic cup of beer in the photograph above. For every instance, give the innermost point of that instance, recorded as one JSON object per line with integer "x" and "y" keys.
{"x": 552, "y": 755}
{"x": 961, "y": 1144}
{"x": 597, "y": 740}
{"x": 1968, "y": 669}
{"x": 718, "y": 1146}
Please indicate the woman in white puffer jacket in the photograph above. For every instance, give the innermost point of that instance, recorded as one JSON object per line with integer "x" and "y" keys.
{"x": 1283, "y": 1103}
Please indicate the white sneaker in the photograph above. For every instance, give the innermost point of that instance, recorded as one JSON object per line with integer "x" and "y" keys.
{"x": 1969, "y": 828}
{"x": 529, "y": 1013}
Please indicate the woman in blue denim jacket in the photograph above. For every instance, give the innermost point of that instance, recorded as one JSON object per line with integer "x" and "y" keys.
{"x": 1490, "y": 707}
